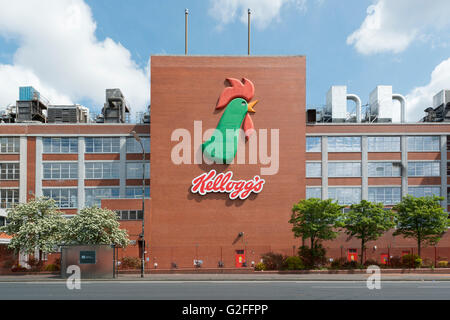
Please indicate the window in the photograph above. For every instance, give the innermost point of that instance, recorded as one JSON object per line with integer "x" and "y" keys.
{"x": 9, "y": 145}
{"x": 135, "y": 147}
{"x": 60, "y": 145}
{"x": 60, "y": 170}
{"x": 345, "y": 195}
{"x": 8, "y": 198}
{"x": 424, "y": 191}
{"x": 130, "y": 215}
{"x": 385, "y": 195}
{"x": 102, "y": 145}
{"x": 384, "y": 169}
{"x": 313, "y": 169}
{"x": 9, "y": 171}
{"x": 102, "y": 170}
{"x": 313, "y": 192}
{"x": 423, "y": 143}
{"x": 424, "y": 169}
{"x": 384, "y": 144}
{"x": 95, "y": 195}
{"x": 344, "y": 144}
{"x": 136, "y": 192}
{"x": 65, "y": 198}
{"x": 344, "y": 169}
{"x": 313, "y": 144}
{"x": 134, "y": 170}
{"x": 2, "y": 221}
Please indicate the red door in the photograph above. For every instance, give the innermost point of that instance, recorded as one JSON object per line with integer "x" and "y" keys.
{"x": 384, "y": 258}
{"x": 240, "y": 258}
{"x": 352, "y": 255}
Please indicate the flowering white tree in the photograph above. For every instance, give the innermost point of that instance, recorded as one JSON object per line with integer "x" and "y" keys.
{"x": 36, "y": 224}
{"x": 95, "y": 226}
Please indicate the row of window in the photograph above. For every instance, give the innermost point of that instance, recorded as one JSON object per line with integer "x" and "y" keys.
{"x": 385, "y": 195}
{"x": 92, "y": 145}
{"x": 93, "y": 170}
{"x": 68, "y": 197}
{"x": 375, "y": 144}
{"x": 375, "y": 169}
{"x": 130, "y": 215}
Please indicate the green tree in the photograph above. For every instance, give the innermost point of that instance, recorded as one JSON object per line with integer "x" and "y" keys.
{"x": 316, "y": 219}
{"x": 36, "y": 224}
{"x": 367, "y": 221}
{"x": 95, "y": 226}
{"x": 422, "y": 219}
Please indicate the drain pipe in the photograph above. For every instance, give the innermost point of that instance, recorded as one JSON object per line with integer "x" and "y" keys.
{"x": 357, "y": 100}
{"x": 402, "y": 101}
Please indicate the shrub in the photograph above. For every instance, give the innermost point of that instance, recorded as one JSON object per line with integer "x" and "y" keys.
{"x": 293, "y": 263}
{"x": 260, "y": 266}
{"x": 130, "y": 263}
{"x": 371, "y": 262}
{"x": 411, "y": 261}
{"x": 442, "y": 264}
{"x": 52, "y": 267}
{"x": 18, "y": 268}
{"x": 273, "y": 261}
{"x": 338, "y": 263}
{"x": 312, "y": 257}
{"x": 395, "y": 262}
{"x": 352, "y": 265}
{"x": 35, "y": 264}
{"x": 428, "y": 263}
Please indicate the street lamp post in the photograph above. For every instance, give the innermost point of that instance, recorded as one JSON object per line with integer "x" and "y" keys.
{"x": 138, "y": 139}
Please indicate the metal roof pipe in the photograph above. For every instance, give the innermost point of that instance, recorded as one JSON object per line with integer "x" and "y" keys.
{"x": 402, "y": 101}
{"x": 357, "y": 100}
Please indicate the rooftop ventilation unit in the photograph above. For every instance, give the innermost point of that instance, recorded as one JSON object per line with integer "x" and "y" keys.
{"x": 440, "y": 112}
{"x": 336, "y": 106}
{"x": 31, "y": 105}
{"x": 68, "y": 114}
{"x": 116, "y": 108}
{"x": 381, "y": 105}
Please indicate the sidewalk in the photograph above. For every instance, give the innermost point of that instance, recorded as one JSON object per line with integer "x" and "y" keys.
{"x": 239, "y": 277}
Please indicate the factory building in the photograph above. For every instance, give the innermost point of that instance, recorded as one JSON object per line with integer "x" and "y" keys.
{"x": 225, "y": 204}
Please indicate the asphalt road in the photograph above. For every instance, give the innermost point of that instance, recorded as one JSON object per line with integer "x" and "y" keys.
{"x": 230, "y": 290}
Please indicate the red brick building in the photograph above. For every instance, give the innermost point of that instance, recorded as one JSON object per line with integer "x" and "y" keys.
{"x": 346, "y": 161}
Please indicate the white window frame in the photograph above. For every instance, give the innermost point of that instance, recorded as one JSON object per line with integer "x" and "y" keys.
{"x": 315, "y": 145}
{"x": 115, "y": 170}
{"x": 115, "y": 141}
{"x": 383, "y": 143}
{"x": 333, "y": 165}
{"x": 71, "y": 204}
{"x": 52, "y": 170}
{"x": 8, "y": 143}
{"x": 53, "y": 150}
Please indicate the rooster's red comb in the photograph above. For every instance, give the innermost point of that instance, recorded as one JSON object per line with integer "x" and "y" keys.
{"x": 238, "y": 89}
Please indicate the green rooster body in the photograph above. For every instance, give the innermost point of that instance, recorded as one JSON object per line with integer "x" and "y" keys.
{"x": 223, "y": 144}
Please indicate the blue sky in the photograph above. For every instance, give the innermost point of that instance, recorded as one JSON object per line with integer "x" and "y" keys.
{"x": 400, "y": 53}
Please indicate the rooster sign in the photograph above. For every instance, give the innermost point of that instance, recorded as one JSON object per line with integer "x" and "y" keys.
{"x": 236, "y": 99}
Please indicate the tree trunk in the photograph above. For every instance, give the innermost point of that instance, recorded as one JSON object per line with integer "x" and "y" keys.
{"x": 418, "y": 248}
{"x": 362, "y": 251}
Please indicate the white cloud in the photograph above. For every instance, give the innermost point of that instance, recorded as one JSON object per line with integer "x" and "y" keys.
{"x": 263, "y": 11}
{"x": 422, "y": 97}
{"x": 391, "y": 26}
{"x": 60, "y": 55}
